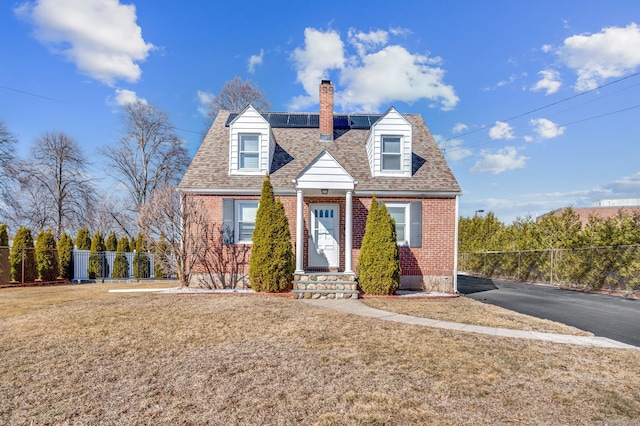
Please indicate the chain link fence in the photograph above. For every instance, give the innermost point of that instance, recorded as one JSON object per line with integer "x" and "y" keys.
{"x": 612, "y": 268}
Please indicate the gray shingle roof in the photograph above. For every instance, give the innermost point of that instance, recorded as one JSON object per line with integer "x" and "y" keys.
{"x": 297, "y": 147}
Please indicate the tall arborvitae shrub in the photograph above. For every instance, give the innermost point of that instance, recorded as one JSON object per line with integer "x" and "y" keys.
{"x": 120, "y": 263}
{"x": 161, "y": 263}
{"x": 23, "y": 248}
{"x": 83, "y": 239}
{"x": 46, "y": 256}
{"x": 98, "y": 267}
{"x": 112, "y": 242}
{"x": 271, "y": 264}
{"x": 141, "y": 264}
{"x": 5, "y": 269}
{"x": 65, "y": 256}
{"x": 379, "y": 261}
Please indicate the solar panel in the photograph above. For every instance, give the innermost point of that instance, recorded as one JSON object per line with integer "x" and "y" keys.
{"x": 340, "y": 121}
{"x": 298, "y": 120}
{"x": 360, "y": 122}
{"x": 278, "y": 120}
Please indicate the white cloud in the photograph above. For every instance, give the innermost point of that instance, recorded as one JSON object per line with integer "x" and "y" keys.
{"x": 546, "y": 129}
{"x": 460, "y": 127}
{"x": 502, "y": 160}
{"x": 255, "y": 60}
{"x": 510, "y": 80}
{"x": 501, "y": 130}
{"x": 547, "y": 48}
{"x": 550, "y": 82}
{"x": 100, "y": 37}
{"x": 613, "y": 52}
{"x": 365, "y": 42}
{"x": 376, "y": 74}
{"x": 323, "y": 51}
{"x": 452, "y": 148}
{"x": 204, "y": 100}
{"x": 124, "y": 97}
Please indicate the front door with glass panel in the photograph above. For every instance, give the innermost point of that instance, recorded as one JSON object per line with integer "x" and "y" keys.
{"x": 323, "y": 235}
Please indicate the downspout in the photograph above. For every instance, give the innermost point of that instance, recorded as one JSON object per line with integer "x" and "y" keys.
{"x": 455, "y": 250}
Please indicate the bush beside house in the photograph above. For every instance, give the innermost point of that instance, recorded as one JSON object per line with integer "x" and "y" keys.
{"x": 271, "y": 265}
{"x": 379, "y": 262}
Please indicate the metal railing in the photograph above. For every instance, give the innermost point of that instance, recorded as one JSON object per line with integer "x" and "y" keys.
{"x": 614, "y": 268}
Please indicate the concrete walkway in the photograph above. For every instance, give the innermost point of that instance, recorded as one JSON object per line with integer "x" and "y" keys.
{"x": 356, "y": 307}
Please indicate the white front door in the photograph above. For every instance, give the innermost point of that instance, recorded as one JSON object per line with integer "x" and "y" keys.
{"x": 324, "y": 250}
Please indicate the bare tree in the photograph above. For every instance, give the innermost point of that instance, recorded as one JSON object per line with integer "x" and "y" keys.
{"x": 237, "y": 94}
{"x": 149, "y": 155}
{"x": 111, "y": 213}
{"x": 55, "y": 186}
{"x": 7, "y": 163}
{"x": 182, "y": 219}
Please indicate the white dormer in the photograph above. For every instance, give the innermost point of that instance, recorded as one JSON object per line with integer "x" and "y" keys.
{"x": 389, "y": 145}
{"x": 251, "y": 144}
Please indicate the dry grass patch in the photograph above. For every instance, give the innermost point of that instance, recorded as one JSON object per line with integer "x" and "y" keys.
{"x": 470, "y": 311}
{"x": 223, "y": 359}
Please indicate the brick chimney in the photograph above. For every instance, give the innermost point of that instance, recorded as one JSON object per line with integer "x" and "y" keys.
{"x": 326, "y": 111}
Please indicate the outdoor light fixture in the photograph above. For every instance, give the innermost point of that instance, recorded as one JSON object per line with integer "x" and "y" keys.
{"x": 324, "y": 191}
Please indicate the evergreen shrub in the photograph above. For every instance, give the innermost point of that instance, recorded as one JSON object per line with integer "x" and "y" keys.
{"x": 46, "y": 256}
{"x": 379, "y": 261}
{"x": 23, "y": 247}
{"x": 120, "y": 262}
{"x": 5, "y": 269}
{"x": 65, "y": 256}
{"x": 83, "y": 239}
{"x": 272, "y": 264}
{"x": 112, "y": 242}
{"x": 98, "y": 266}
{"x": 141, "y": 263}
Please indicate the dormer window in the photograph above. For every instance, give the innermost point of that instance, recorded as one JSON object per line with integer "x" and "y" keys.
{"x": 249, "y": 151}
{"x": 391, "y": 153}
{"x": 389, "y": 146}
{"x": 251, "y": 144}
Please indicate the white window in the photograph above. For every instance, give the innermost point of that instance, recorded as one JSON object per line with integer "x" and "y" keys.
{"x": 245, "y": 220}
{"x": 400, "y": 213}
{"x": 249, "y": 151}
{"x": 391, "y": 153}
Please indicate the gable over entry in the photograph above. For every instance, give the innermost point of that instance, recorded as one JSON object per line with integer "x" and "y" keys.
{"x": 324, "y": 174}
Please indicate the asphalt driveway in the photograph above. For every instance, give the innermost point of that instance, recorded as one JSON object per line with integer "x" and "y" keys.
{"x": 613, "y": 317}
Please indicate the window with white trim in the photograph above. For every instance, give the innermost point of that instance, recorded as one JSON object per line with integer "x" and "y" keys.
{"x": 391, "y": 153}
{"x": 400, "y": 214}
{"x": 245, "y": 221}
{"x": 248, "y": 151}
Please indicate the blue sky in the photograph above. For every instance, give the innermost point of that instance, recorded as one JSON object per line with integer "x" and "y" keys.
{"x": 536, "y": 104}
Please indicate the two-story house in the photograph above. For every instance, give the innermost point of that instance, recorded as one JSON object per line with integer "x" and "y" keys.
{"x": 325, "y": 168}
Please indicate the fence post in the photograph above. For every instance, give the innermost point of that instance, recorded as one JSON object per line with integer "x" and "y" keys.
{"x": 551, "y": 268}
{"x": 519, "y": 253}
{"x": 23, "y": 249}
{"x": 484, "y": 266}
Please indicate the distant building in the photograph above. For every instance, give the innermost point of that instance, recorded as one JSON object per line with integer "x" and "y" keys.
{"x": 604, "y": 209}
